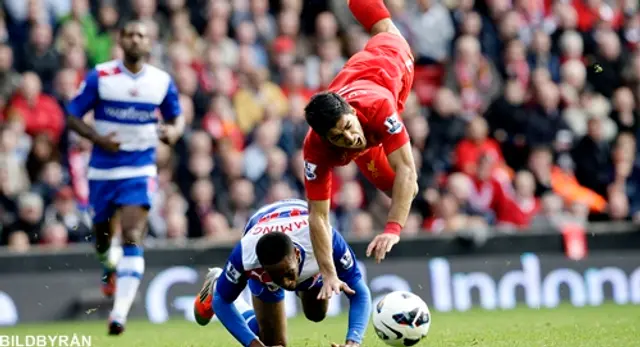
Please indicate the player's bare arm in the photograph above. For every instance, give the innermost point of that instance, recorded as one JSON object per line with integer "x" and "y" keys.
{"x": 171, "y": 130}
{"x": 404, "y": 190}
{"x": 320, "y": 233}
{"x": 108, "y": 142}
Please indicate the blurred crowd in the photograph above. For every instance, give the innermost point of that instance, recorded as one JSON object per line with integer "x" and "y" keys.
{"x": 524, "y": 112}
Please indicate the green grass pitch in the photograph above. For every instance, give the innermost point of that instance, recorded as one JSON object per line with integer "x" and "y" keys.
{"x": 605, "y": 326}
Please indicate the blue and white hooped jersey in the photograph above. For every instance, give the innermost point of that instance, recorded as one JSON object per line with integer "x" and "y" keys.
{"x": 290, "y": 217}
{"x": 126, "y": 104}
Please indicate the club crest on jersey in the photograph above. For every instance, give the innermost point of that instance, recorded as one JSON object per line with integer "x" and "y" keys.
{"x": 393, "y": 125}
{"x": 310, "y": 171}
{"x": 347, "y": 260}
{"x": 232, "y": 274}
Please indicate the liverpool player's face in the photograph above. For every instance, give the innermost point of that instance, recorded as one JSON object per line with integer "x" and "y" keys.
{"x": 348, "y": 133}
{"x": 135, "y": 42}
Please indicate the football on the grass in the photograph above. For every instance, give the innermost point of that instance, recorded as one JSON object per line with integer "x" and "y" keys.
{"x": 401, "y": 319}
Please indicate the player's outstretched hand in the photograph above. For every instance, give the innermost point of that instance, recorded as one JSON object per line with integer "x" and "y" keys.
{"x": 381, "y": 245}
{"x": 108, "y": 143}
{"x": 333, "y": 285}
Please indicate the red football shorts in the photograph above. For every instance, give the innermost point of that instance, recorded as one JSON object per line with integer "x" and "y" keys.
{"x": 385, "y": 60}
{"x": 376, "y": 168}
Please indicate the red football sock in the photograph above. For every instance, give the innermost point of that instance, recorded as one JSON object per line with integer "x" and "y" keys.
{"x": 369, "y": 12}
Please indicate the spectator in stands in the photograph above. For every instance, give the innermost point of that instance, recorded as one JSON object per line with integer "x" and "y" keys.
{"x": 609, "y": 57}
{"x": 446, "y": 128}
{"x": 545, "y": 124}
{"x": 39, "y": 55}
{"x": 350, "y": 201}
{"x": 518, "y": 208}
{"x": 39, "y": 111}
{"x": 217, "y": 230}
{"x": 475, "y": 144}
{"x": 515, "y": 65}
{"x": 42, "y": 152}
{"x": 9, "y": 78}
{"x": 19, "y": 242}
{"x": 592, "y": 156}
{"x": 472, "y": 76}
{"x": 573, "y": 82}
{"x": 507, "y": 119}
{"x": 624, "y": 112}
{"x": 551, "y": 215}
{"x": 29, "y": 218}
{"x": 256, "y": 99}
{"x": 541, "y": 56}
{"x": 361, "y": 226}
{"x": 276, "y": 171}
{"x": 294, "y": 125}
{"x": 64, "y": 211}
{"x": 485, "y": 191}
{"x": 242, "y": 202}
{"x": 54, "y": 236}
{"x": 432, "y": 31}
{"x": 280, "y": 190}
{"x": 177, "y": 228}
{"x": 256, "y": 154}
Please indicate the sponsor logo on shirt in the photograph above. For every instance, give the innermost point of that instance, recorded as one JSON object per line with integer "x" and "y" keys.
{"x": 130, "y": 114}
{"x": 232, "y": 274}
{"x": 394, "y": 126}
{"x": 310, "y": 171}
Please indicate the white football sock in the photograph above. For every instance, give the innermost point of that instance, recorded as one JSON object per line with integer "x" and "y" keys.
{"x": 129, "y": 274}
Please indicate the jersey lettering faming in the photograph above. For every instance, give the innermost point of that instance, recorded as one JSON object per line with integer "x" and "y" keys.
{"x": 126, "y": 104}
{"x": 290, "y": 217}
{"x": 376, "y": 83}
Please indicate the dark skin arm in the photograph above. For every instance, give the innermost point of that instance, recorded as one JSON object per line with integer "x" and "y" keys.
{"x": 171, "y": 131}
{"x": 108, "y": 142}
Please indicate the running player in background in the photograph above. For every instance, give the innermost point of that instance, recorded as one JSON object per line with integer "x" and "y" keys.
{"x": 274, "y": 255}
{"x": 358, "y": 119}
{"x": 124, "y": 96}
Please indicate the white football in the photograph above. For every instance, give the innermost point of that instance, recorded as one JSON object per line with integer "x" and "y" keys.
{"x": 401, "y": 319}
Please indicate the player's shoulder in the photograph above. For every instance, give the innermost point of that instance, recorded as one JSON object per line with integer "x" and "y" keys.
{"x": 107, "y": 69}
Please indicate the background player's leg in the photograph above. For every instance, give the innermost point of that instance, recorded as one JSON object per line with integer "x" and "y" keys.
{"x": 314, "y": 310}
{"x": 105, "y": 226}
{"x": 134, "y": 196}
{"x": 130, "y": 269}
{"x": 272, "y": 319}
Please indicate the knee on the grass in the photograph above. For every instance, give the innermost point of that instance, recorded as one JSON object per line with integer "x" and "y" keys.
{"x": 315, "y": 316}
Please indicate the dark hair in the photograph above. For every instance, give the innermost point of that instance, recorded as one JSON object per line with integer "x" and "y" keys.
{"x": 273, "y": 247}
{"x": 130, "y": 23}
{"x": 324, "y": 110}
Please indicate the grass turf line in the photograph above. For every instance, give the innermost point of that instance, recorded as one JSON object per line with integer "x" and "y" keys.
{"x": 604, "y": 326}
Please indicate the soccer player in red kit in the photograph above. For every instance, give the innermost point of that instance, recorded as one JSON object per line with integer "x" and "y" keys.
{"x": 358, "y": 119}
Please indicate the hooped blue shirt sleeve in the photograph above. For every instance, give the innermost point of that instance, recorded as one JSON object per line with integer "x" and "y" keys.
{"x": 170, "y": 106}
{"x": 87, "y": 96}
{"x": 229, "y": 286}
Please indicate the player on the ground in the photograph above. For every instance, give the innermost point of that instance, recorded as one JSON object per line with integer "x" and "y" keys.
{"x": 274, "y": 255}
{"x": 358, "y": 119}
{"x": 124, "y": 96}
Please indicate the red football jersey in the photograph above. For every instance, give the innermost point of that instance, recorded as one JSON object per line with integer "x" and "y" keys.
{"x": 375, "y": 108}
{"x": 376, "y": 83}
